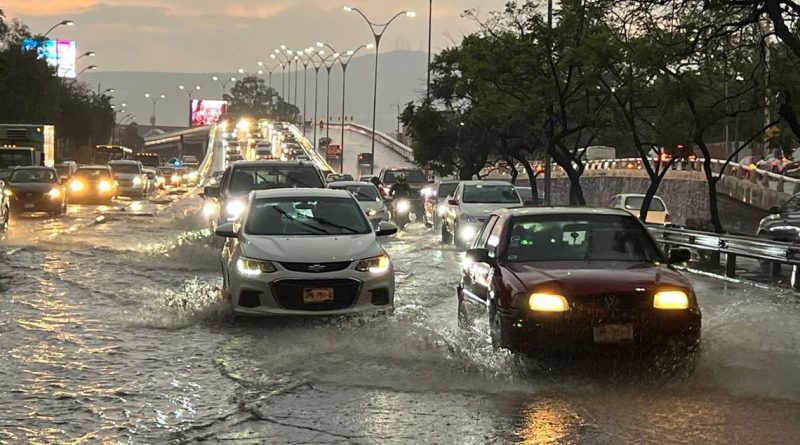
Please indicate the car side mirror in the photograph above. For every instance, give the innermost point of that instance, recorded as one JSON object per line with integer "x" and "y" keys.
{"x": 479, "y": 256}
{"x": 774, "y": 210}
{"x": 226, "y": 230}
{"x": 211, "y": 191}
{"x": 452, "y": 202}
{"x": 385, "y": 228}
{"x": 679, "y": 256}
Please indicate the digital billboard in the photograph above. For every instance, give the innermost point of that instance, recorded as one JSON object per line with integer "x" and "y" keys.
{"x": 59, "y": 54}
{"x": 206, "y": 111}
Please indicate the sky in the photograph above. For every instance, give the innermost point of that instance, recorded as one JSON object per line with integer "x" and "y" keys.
{"x": 224, "y": 35}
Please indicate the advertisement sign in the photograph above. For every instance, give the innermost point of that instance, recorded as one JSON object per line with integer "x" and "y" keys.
{"x": 59, "y": 54}
{"x": 206, "y": 111}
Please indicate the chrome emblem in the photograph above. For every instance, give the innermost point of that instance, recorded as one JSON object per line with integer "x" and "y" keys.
{"x": 316, "y": 268}
{"x": 611, "y": 302}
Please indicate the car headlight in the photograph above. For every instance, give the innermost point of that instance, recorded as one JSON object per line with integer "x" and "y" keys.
{"x": 251, "y": 267}
{"x": 467, "y": 233}
{"x": 208, "y": 209}
{"x": 671, "y": 300}
{"x": 137, "y": 180}
{"x": 234, "y": 208}
{"x": 403, "y": 206}
{"x": 54, "y": 193}
{"x": 469, "y": 218}
{"x": 104, "y": 186}
{"x": 547, "y": 302}
{"x": 8, "y": 192}
{"x": 373, "y": 212}
{"x": 442, "y": 209}
{"x": 161, "y": 180}
{"x": 76, "y": 186}
{"x": 377, "y": 265}
{"x": 192, "y": 176}
{"x": 175, "y": 179}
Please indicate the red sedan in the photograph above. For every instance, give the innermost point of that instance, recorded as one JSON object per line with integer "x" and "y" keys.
{"x": 571, "y": 278}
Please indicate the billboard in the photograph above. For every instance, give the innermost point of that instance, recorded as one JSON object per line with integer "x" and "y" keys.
{"x": 59, "y": 54}
{"x": 206, "y": 111}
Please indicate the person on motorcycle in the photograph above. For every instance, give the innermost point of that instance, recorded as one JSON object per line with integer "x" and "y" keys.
{"x": 400, "y": 189}
{"x": 377, "y": 183}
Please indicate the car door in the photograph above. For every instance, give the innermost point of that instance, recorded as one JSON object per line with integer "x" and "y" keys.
{"x": 474, "y": 273}
{"x": 452, "y": 211}
{"x": 483, "y": 273}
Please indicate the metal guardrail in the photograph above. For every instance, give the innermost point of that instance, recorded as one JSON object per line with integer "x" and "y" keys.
{"x": 776, "y": 253}
{"x": 311, "y": 152}
{"x": 393, "y": 144}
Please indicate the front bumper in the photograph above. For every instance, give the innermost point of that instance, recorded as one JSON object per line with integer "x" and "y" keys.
{"x": 41, "y": 204}
{"x": 280, "y": 293}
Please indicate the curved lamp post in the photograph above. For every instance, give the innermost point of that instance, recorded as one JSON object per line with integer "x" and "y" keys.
{"x": 344, "y": 61}
{"x": 61, "y": 23}
{"x": 88, "y": 68}
{"x": 323, "y": 61}
{"x": 154, "y": 98}
{"x": 224, "y": 83}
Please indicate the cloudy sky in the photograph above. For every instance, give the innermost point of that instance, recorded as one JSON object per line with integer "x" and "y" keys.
{"x": 223, "y": 35}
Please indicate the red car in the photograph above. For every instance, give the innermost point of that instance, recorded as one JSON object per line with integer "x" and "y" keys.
{"x": 575, "y": 278}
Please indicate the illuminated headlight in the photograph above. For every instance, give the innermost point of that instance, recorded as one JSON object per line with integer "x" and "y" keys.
{"x": 137, "y": 180}
{"x": 671, "y": 300}
{"x": 251, "y": 267}
{"x": 469, "y": 218}
{"x": 192, "y": 176}
{"x": 54, "y": 193}
{"x": 8, "y": 192}
{"x": 373, "y": 212}
{"x": 546, "y": 302}
{"x": 175, "y": 179}
{"x": 234, "y": 209}
{"x": 76, "y": 186}
{"x": 403, "y": 206}
{"x": 208, "y": 209}
{"x": 161, "y": 180}
{"x": 442, "y": 210}
{"x": 377, "y": 265}
{"x": 104, "y": 186}
{"x": 467, "y": 233}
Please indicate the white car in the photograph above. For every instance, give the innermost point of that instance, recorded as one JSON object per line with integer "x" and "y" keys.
{"x": 470, "y": 206}
{"x": 368, "y": 198}
{"x": 632, "y": 203}
{"x": 130, "y": 177}
{"x": 306, "y": 252}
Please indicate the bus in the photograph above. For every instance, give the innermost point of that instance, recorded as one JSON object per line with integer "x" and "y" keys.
{"x": 148, "y": 159}
{"x": 25, "y": 144}
{"x": 105, "y": 153}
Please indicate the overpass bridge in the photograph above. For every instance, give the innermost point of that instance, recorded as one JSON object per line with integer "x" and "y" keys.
{"x": 192, "y": 141}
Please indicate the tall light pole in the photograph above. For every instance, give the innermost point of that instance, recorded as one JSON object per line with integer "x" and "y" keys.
{"x": 344, "y": 61}
{"x": 296, "y": 70}
{"x": 322, "y": 62}
{"x": 430, "y": 29}
{"x": 86, "y": 54}
{"x": 285, "y": 62}
{"x": 288, "y": 62}
{"x": 189, "y": 91}
{"x": 269, "y": 70}
{"x": 305, "y": 58}
{"x": 548, "y": 168}
{"x": 61, "y": 23}
{"x": 377, "y": 32}
{"x": 154, "y": 98}
{"x": 88, "y": 68}
{"x": 328, "y": 68}
{"x": 223, "y": 83}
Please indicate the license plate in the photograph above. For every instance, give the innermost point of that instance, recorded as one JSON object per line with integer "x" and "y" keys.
{"x": 613, "y": 333}
{"x": 317, "y": 295}
{"x": 29, "y": 206}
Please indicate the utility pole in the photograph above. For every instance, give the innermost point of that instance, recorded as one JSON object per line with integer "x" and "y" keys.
{"x": 547, "y": 161}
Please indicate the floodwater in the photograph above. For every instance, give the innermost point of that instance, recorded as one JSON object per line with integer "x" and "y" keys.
{"x": 113, "y": 330}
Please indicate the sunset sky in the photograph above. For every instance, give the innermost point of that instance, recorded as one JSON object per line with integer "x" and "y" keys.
{"x": 215, "y": 35}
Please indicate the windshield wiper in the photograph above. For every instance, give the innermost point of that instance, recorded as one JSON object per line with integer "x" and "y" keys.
{"x": 305, "y": 224}
{"x": 329, "y": 223}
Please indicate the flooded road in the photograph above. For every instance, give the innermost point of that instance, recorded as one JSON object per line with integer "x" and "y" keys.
{"x": 114, "y": 331}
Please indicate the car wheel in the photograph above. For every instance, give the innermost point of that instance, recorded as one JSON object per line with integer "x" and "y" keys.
{"x": 500, "y": 331}
{"x": 463, "y": 316}
{"x": 447, "y": 238}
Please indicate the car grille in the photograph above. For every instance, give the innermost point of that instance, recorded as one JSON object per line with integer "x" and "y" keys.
{"x": 125, "y": 182}
{"x": 289, "y": 294}
{"x": 29, "y": 196}
{"x": 316, "y": 267}
{"x": 612, "y": 307}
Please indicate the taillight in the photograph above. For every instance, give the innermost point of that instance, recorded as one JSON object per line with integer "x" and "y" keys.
{"x": 667, "y": 218}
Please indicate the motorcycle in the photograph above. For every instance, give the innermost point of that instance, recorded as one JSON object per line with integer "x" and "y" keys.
{"x": 401, "y": 209}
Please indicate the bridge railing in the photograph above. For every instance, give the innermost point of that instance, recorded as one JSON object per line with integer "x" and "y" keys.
{"x": 774, "y": 252}
{"x": 311, "y": 152}
{"x": 393, "y": 144}
{"x": 208, "y": 159}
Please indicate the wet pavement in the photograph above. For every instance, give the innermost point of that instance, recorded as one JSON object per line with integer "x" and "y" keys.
{"x": 114, "y": 331}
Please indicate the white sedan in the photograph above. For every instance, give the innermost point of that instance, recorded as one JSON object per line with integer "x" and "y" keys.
{"x": 632, "y": 203}
{"x": 470, "y": 207}
{"x": 306, "y": 252}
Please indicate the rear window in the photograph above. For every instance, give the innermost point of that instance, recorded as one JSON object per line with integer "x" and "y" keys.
{"x": 363, "y": 193}
{"x": 415, "y": 176}
{"x": 246, "y": 179}
{"x": 32, "y": 175}
{"x": 490, "y": 194}
{"x": 92, "y": 173}
{"x": 635, "y": 203}
{"x": 125, "y": 168}
{"x": 447, "y": 189}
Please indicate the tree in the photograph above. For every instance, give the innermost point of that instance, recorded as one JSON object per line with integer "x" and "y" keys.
{"x": 251, "y": 97}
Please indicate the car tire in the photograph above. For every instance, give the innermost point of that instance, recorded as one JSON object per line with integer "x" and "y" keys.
{"x": 447, "y": 238}
{"x": 500, "y": 331}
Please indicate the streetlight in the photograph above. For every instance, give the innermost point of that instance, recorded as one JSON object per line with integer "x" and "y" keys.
{"x": 224, "y": 83}
{"x": 86, "y": 54}
{"x": 377, "y": 32}
{"x": 430, "y": 29}
{"x": 323, "y": 62}
{"x": 305, "y": 61}
{"x": 284, "y": 61}
{"x": 328, "y": 68}
{"x": 344, "y": 61}
{"x": 90, "y": 67}
{"x": 189, "y": 91}
{"x": 154, "y": 98}
{"x": 61, "y": 23}
{"x": 270, "y": 70}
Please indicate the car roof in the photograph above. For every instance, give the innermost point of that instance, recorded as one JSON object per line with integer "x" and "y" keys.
{"x": 123, "y": 161}
{"x": 566, "y": 211}
{"x": 486, "y": 183}
{"x": 301, "y": 192}
{"x": 635, "y": 195}
{"x": 92, "y": 167}
{"x": 33, "y": 167}
{"x": 343, "y": 183}
{"x": 449, "y": 181}
{"x": 275, "y": 164}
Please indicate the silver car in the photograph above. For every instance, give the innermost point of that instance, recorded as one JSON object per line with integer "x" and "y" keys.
{"x": 130, "y": 177}
{"x": 470, "y": 206}
{"x": 305, "y": 252}
{"x": 368, "y": 197}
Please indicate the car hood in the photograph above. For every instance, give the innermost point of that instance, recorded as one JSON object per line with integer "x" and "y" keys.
{"x": 483, "y": 210}
{"x": 372, "y": 205}
{"x": 310, "y": 249}
{"x": 580, "y": 278}
{"x": 34, "y": 187}
{"x": 126, "y": 175}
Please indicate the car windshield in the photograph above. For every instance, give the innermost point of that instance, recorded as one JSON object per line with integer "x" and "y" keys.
{"x": 9, "y": 158}
{"x": 635, "y": 203}
{"x": 414, "y": 176}
{"x": 447, "y": 189}
{"x": 125, "y": 168}
{"x": 525, "y": 193}
{"x": 63, "y": 170}
{"x": 306, "y": 216}
{"x": 167, "y": 171}
{"x": 490, "y": 194}
{"x": 92, "y": 173}
{"x": 580, "y": 238}
{"x": 32, "y": 175}
{"x": 363, "y": 193}
{"x": 250, "y": 178}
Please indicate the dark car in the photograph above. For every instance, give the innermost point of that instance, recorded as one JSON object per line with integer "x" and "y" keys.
{"x": 338, "y": 177}
{"x": 36, "y": 189}
{"x": 241, "y": 178}
{"x": 436, "y": 202}
{"x": 415, "y": 177}
{"x": 575, "y": 278}
{"x": 93, "y": 183}
{"x": 782, "y": 223}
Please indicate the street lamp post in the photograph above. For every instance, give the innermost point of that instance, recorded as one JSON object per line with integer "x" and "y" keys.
{"x": 86, "y": 54}
{"x": 269, "y": 70}
{"x": 284, "y": 61}
{"x": 328, "y": 68}
{"x": 377, "y": 32}
{"x": 61, "y": 23}
{"x": 189, "y": 91}
{"x": 430, "y": 29}
{"x": 223, "y": 83}
{"x": 344, "y": 61}
{"x": 154, "y": 98}
{"x": 305, "y": 60}
{"x": 323, "y": 62}
{"x": 88, "y": 68}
